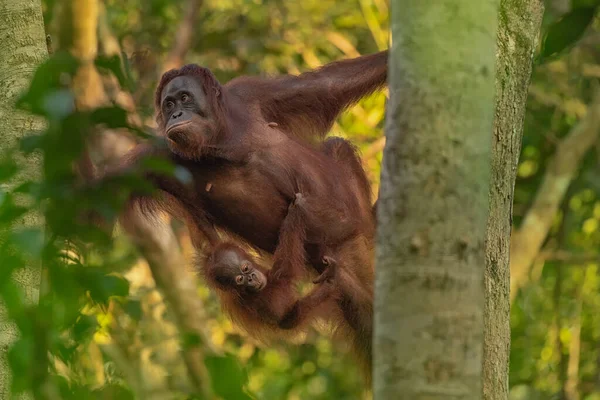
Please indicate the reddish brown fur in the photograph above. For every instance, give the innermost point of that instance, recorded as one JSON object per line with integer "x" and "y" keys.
{"x": 212, "y": 88}
{"x": 271, "y": 313}
{"x": 307, "y": 105}
{"x": 255, "y": 149}
{"x": 344, "y": 300}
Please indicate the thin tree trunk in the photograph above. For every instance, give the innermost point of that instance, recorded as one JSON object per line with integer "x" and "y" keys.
{"x": 22, "y": 48}
{"x": 433, "y": 204}
{"x": 518, "y": 29}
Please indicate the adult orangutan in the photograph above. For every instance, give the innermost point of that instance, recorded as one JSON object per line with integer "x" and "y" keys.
{"x": 253, "y": 147}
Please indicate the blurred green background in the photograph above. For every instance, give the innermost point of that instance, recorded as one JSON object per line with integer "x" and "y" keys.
{"x": 107, "y": 330}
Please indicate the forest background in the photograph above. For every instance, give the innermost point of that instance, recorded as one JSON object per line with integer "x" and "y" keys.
{"x": 122, "y": 337}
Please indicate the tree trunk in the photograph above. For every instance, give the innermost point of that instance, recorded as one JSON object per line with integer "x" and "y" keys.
{"x": 433, "y": 201}
{"x": 518, "y": 28}
{"x": 22, "y": 48}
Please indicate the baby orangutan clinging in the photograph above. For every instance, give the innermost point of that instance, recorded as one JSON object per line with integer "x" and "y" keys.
{"x": 266, "y": 306}
{"x": 260, "y": 303}
{"x": 251, "y": 146}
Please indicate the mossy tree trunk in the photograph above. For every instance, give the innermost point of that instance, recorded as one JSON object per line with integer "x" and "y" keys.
{"x": 518, "y": 30}
{"x": 433, "y": 205}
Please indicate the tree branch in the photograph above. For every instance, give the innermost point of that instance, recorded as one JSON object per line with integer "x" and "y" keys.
{"x": 183, "y": 37}
{"x": 528, "y": 239}
{"x": 519, "y": 24}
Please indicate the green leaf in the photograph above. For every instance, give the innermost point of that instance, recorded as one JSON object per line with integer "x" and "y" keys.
{"x": 29, "y": 240}
{"x": 31, "y": 143}
{"x": 566, "y": 31}
{"x": 9, "y": 211}
{"x": 190, "y": 339}
{"x": 157, "y": 164}
{"x": 112, "y": 117}
{"x": 50, "y": 82}
{"x": 8, "y": 169}
{"x": 227, "y": 377}
{"x": 102, "y": 286}
{"x": 584, "y": 3}
{"x": 59, "y": 103}
{"x": 28, "y": 187}
{"x": 20, "y": 357}
{"x": 113, "y": 64}
{"x": 84, "y": 328}
{"x": 115, "y": 117}
{"x": 114, "y": 285}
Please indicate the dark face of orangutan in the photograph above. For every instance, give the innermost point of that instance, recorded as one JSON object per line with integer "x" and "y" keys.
{"x": 189, "y": 123}
{"x": 233, "y": 271}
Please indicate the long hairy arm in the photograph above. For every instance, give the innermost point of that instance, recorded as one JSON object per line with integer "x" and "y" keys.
{"x": 306, "y": 105}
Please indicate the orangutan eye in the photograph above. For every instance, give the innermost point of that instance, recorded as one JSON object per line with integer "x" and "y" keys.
{"x": 239, "y": 279}
{"x": 245, "y": 268}
{"x": 169, "y": 105}
{"x": 185, "y": 97}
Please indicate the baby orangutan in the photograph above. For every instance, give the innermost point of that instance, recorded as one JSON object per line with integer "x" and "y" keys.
{"x": 261, "y": 303}
{"x": 267, "y": 307}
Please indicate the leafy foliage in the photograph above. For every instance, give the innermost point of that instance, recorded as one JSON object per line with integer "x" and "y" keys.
{"x": 102, "y": 330}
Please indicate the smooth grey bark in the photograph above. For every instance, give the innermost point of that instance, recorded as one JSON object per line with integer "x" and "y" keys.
{"x": 22, "y": 48}
{"x": 433, "y": 202}
{"x": 518, "y": 30}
